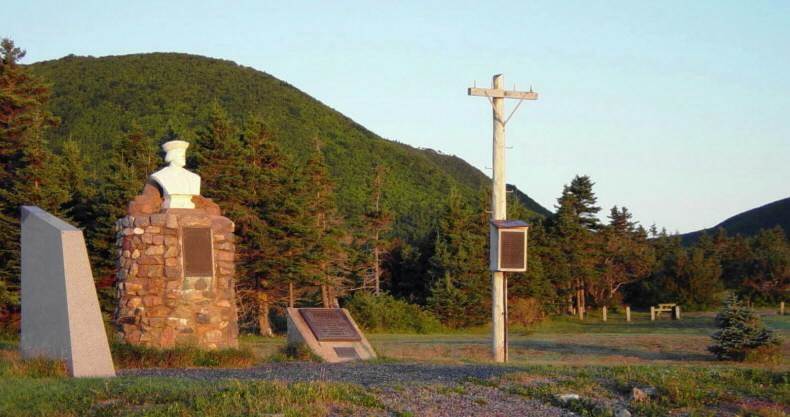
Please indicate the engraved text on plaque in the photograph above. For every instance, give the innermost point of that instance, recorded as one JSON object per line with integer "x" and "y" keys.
{"x": 329, "y": 324}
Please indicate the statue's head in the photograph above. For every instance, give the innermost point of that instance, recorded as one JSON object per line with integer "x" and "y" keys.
{"x": 176, "y": 152}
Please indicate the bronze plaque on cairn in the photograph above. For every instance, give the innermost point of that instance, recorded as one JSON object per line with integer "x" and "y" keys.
{"x": 329, "y": 324}
{"x": 197, "y": 252}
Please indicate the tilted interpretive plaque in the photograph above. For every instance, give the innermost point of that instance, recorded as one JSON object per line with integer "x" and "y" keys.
{"x": 197, "y": 252}
{"x": 329, "y": 324}
{"x": 329, "y": 332}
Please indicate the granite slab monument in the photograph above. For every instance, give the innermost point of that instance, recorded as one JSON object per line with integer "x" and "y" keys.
{"x": 60, "y": 310}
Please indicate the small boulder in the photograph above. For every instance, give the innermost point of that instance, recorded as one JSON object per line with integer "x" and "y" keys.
{"x": 568, "y": 397}
{"x": 621, "y": 412}
{"x": 642, "y": 394}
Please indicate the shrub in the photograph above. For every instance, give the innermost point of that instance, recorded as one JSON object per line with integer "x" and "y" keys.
{"x": 525, "y": 311}
{"x": 296, "y": 352}
{"x": 741, "y": 333}
{"x": 386, "y": 313}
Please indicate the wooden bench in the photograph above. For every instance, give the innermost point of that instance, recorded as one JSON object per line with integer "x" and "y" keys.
{"x": 672, "y": 308}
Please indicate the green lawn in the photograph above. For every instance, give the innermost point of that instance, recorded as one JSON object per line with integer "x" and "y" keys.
{"x": 599, "y": 361}
{"x": 23, "y": 396}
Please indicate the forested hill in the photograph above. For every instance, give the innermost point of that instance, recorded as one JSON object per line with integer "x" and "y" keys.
{"x": 752, "y": 221}
{"x": 98, "y": 99}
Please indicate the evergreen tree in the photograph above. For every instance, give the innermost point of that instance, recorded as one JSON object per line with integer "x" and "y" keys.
{"x": 234, "y": 173}
{"x": 768, "y": 268}
{"x": 459, "y": 267}
{"x": 574, "y": 246}
{"x": 740, "y": 331}
{"x": 581, "y": 188}
{"x": 81, "y": 189}
{"x": 327, "y": 254}
{"x": 28, "y": 170}
{"x": 131, "y": 160}
{"x": 534, "y": 283}
{"x": 377, "y": 222}
{"x": 626, "y": 256}
{"x": 219, "y": 160}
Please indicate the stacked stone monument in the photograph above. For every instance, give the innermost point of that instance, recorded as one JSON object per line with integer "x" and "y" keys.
{"x": 175, "y": 277}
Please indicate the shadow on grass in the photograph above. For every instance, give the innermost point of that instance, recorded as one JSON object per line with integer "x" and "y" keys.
{"x": 571, "y": 348}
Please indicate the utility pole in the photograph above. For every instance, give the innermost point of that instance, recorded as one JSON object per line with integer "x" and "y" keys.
{"x": 497, "y": 95}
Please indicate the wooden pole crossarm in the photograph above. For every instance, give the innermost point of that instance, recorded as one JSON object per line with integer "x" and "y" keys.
{"x": 499, "y": 93}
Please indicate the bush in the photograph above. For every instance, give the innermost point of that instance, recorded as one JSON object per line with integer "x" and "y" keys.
{"x": 296, "y": 352}
{"x": 525, "y": 311}
{"x": 742, "y": 333}
{"x": 386, "y": 313}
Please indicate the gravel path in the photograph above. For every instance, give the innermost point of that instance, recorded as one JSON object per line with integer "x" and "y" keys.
{"x": 404, "y": 388}
{"x": 466, "y": 400}
{"x": 357, "y": 372}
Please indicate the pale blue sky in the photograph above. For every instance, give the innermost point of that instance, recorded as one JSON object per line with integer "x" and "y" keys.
{"x": 679, "y": 110}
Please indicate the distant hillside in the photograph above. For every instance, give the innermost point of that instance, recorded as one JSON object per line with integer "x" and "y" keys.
{"x": 459, "y": 168}
{"x": 98, "y": 99}
{"x": 750, "y": 222}
{"x": 527, "y": 202}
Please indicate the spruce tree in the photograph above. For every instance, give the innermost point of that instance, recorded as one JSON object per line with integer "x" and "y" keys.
{"x": 28, "y": 170}
{"x": 534, "y": 283}
{"x": 274, "y": 222}
{"x": 741, "y": 331}
{"x": 81, "y": 184}
{"x": 626, "y": 256}
{"x": 219, "y": 160}
{"x": 768, "y": 267}
{"x": 131, "y": 160}
{"x": 327, "y": 255}
{"x": 377, "y": 222}
{"x": 575, "y": 248}
{"x": 231, "y": 176}
{"x": 581, "y": 188}
{"x": 459, "y": 267}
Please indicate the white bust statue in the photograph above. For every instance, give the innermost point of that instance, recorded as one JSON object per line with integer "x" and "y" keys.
{"x": 178, "y": 184}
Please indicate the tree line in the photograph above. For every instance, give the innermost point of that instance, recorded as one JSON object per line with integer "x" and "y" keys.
{"x": 295, "y": 248}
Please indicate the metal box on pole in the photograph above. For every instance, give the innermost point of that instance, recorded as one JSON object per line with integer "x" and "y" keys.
{"x": 508, "y": 246}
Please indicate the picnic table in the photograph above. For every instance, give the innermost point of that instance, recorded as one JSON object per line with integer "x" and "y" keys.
{"x": 672, "y": 308}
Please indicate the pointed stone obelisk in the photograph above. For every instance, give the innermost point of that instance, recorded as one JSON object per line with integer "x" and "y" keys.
{"x": 60, "y": 310}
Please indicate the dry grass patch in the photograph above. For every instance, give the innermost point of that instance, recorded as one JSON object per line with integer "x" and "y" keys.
{"x": 12, "y": 365}
{"x": 129, "y": 356}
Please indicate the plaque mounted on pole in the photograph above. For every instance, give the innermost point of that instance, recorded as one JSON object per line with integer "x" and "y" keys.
{"x": 496, "y": 96}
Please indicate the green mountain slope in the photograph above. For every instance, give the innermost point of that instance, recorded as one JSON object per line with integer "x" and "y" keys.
{"x": 99, "y": 98}
{"x": 461, "y": 169}
{"x": 752, "y": 221}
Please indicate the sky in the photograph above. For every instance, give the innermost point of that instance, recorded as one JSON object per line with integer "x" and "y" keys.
{"x": 679, "y": 110}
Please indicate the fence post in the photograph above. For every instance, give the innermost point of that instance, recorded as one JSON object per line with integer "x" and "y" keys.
{"x": 677, "y": 312}
{"x": 628, "y": 313}
{"x": 782, "y": 308}
{"x": 652, "y": 314}
{"x": 603, "y": 313}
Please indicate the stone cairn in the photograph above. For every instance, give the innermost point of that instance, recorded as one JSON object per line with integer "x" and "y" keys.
{"x": 175, "y": 277}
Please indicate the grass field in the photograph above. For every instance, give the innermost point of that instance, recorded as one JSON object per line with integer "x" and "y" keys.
{"x": 566, "y": 341}
{"x": 600, "y": 362}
